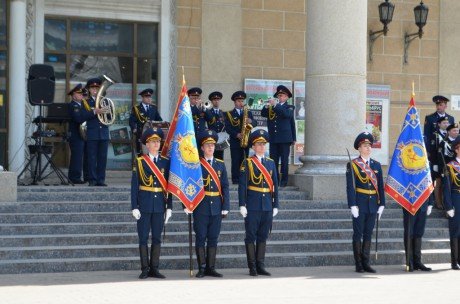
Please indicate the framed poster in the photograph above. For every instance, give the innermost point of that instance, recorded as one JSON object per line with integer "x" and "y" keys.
{"x": 377, "y": 120}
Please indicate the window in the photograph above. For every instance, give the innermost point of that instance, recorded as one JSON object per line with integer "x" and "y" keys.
{"x": 127, "y": 52}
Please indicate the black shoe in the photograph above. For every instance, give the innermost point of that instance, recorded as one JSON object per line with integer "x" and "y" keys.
{"x": 251, "y": 257}
{"x": 417, "y": 252}
{"x": 211, "y": 263}
{"x": 77, "y": 182}
{"x": 365, "y": 257}
{"x": 357, "y": 256}
{"x": 155, "y": 262}
{"x": 92, "y": 184}
{"x": 260, "y": 259}
{"x": 200, "y": 258}
{"x": 144, "y": 254}
{"x": 101, "y": 185}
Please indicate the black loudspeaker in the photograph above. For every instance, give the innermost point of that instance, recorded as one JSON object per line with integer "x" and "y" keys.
{"x": 40, "y": 84}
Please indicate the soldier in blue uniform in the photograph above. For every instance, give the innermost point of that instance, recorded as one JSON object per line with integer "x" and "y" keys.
{"x": 451, "y": 187}
{"x": 151, "y": 206}
{"x": 198, "y": 114}
{"x": 258, "y": 201}
{"x": 431, "y": 120}
{"x": 207, "y": 216}
{"x": 97, "y": 135}
{"x": 281, "y": 128}
{"x": 366, "y": 199}
{"x": 142, "y": 113}
{"x": 233, "y": 126}
{"x": 76, "y": 142}
{"x": 215, "y": 119}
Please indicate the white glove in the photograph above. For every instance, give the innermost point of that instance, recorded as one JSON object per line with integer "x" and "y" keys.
{"x": 224, "y": 212}
{"x": 380, "y": 211}
{"x": 187, "y": 211}
{"x": 428, "y": 211}
{"x": 275, "y": 211}
{"x": 435, "y": 168}
{"x": 243, "y": 211}
{"x": 168, "y": 215}
{"x": 136, "y": 214}
{"x": 451, "y": 213}
{"x": 355, "y": 211}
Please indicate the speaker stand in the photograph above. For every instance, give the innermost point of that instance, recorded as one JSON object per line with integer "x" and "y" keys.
{"x": 34, "y": 165}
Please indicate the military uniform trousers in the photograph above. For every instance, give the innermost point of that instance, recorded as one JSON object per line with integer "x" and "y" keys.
{"x": 150, "y": 222}
{"x": 364, "y": 224}
{"x": 281, "y": 151}
{"x": 77, "y": 152}
{"x": 417, "y": 223}
{"x": 257, "y": 225}
{"x": 97, "y": 159}
{"x": 207, "y": 228}
{"x": 454, "y": 222}
{"x": 237, "y": 154}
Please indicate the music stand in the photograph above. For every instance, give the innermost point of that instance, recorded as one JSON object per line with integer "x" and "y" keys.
{"x": 39, "y": 149}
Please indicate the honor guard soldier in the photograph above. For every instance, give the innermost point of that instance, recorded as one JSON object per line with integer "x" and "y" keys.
{"x": 215, "y": 119}
{"x": 281, "y": 128}
{"x": 366, "y": 199}
{"x": 151, "y": 206}
{"x": 97, "y": 135}
{"x": 235, "y": 127}
{"x": 452, "y": 134}
{"x": 207, "y": 217}
{"x": 142, "y": 113}
{"x": 451, "y": 187}
{"x": 198, "y": 114}
{"x": 258, "y": 200}
{"x": 431, "y": 120}
{"x": 76, "y": 142}
{"x": 436, "y": 158}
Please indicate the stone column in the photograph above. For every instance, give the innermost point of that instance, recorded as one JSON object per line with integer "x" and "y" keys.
{"x": 335, "y": 83}
{"x": 17, "y": 84}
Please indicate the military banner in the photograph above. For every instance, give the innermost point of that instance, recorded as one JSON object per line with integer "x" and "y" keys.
{"x": 185, "y": 176}
{"x": 409, "y": 179}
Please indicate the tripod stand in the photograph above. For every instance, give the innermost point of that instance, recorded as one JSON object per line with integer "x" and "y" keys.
{"x": 39, "y": 149}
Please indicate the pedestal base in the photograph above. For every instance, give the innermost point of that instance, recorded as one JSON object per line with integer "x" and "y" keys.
{"x": 9, "y": 188}
{"x": 321, "y": 187}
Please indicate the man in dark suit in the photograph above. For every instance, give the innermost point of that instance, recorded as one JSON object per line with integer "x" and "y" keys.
{"x": 431, "y": 120}
{"x": 150, "y": 201}
{"x": 207, "y": 216}
{"x": 281, "y": 128}
{"x": 198, "y": 114}
{"x": 215, "y": 119}
{"x": 142, "y": 113}
{"x": 258, "y": 201}
{"x": 366, "y": 199}
{"x": 233, "y": 125}
{"x": 76, "y": 142}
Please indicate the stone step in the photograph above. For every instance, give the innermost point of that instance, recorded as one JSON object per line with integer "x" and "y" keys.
{"x": 125, "y": 205}
{"x": 83, "y": 217}
{"x": 182, "y": 237}
{"x": 168, "y": 249}
{"x": 177, "y": 226}
{"x": 292, "y": 259}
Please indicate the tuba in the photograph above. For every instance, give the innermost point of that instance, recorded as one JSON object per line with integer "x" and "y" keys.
{"x": 105, "y": 102}
{"x": 245, "y": 128}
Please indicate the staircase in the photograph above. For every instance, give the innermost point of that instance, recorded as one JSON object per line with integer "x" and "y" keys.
{"x": 81, "y": 228}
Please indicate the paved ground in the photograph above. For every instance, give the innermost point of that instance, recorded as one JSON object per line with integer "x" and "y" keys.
{"x": 288, "y": 285}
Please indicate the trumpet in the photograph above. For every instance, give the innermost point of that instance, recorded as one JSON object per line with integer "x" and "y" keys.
{"x": 103, "y": 102}
{"x": 206, "y": 105}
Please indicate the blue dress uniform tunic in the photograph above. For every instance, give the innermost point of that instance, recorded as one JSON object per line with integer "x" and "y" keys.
{"x": 96, "y": 146}
{"x": 199, "y": 120}
{"x": 254, "y": 193}
{"x": 366, "y": 197}
{"x": 149, "y": 197}
{"x": 137, "y": 119}
{"x": 215, "y": 121}
{"x": 282, "y": 132}
{"x": 207, "y": 216}
{"x": 233, "y": 122}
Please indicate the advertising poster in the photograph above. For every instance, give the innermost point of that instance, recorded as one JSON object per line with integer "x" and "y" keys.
{"x": 377, "y": 120}
{"x": 299, "y": 101}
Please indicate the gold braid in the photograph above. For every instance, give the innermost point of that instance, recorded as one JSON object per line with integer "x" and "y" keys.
{"x": 362, "y": 179}
{"x": 234, "y": 122}
{"x": 139, "y": 115}
{"x": 146, "y": 180}
{"x": 256, "y": 180}
{"x": 453, "y": 175}
{"x": 86, "y": 105}
{"x": 207, "y": 181}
